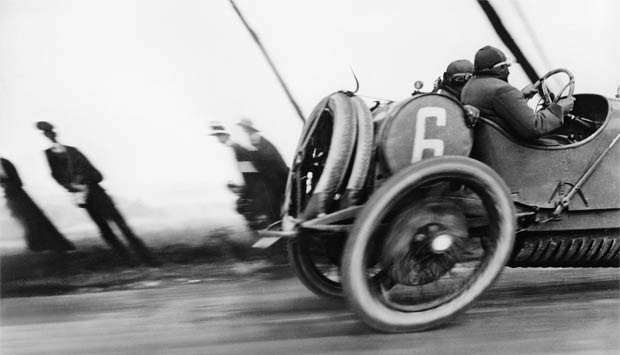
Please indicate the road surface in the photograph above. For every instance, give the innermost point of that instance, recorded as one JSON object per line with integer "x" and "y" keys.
{"x": 529, "y": 311}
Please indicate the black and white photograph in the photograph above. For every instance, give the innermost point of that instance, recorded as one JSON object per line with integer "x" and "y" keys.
{"x": 309, "y": 177}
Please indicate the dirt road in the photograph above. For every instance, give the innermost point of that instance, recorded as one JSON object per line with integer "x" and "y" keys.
{"x": 542, "y": 311}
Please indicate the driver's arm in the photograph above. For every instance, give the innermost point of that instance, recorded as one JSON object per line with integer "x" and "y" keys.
{"x": 510, "y": 104}
{"x": 529, "y": 91}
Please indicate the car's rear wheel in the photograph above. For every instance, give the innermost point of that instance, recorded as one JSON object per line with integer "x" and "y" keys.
{"x": 430, "y": 254}
{"x": 316, "y": 264}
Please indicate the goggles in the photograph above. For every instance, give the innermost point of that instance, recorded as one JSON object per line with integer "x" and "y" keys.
{"x": 461, "y": 77}
{"x": 504, "y": 64}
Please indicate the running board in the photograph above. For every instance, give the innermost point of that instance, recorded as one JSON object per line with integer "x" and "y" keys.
{"x": 325, "y": 223}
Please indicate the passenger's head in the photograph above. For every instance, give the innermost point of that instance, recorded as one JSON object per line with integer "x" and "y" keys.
{"x": 47, "y": 129}
{"x": 458, "y": 73}
{"x": 491, "y": 61}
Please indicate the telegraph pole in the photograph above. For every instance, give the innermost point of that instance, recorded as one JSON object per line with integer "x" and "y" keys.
{"x": 505, "y": 36}
{"x": 271, "y": 64}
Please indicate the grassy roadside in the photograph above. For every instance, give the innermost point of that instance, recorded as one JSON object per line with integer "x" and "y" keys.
{"x": 218, "y": 254}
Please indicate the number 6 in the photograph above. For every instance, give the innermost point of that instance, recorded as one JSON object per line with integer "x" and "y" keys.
{"x": 419, "y": 143}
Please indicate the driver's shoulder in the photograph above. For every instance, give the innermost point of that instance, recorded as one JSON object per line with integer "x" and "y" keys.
{"x": 485, "y": 89}
{"x": 506, "y": 90}
{"x": 487, "y": 85}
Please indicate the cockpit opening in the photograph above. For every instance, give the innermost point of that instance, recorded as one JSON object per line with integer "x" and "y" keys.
{"x": 587, "y": 117}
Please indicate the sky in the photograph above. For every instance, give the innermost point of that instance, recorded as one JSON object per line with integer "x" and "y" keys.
{"x": 134, "y": 83}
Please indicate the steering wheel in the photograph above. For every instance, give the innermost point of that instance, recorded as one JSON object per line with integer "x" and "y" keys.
{"x": 548, "y": 98}
{"x": 544, "y": 91}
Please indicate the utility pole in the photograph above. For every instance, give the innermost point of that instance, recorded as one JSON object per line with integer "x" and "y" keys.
{"x": 273, "y": 67}
{"x": 505, "y": 36}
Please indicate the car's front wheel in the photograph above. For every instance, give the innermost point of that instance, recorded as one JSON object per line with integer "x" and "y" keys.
{"x": 427, "y": 244}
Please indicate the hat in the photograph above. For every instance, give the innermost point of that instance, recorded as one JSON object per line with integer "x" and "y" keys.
{"x": 45, "y": 126}
{"x": 247, "y": 123}
{"x": 459, "y": 72}
{"x": 216, "y": 128}
{"x": 487, "y": 57}
{"x": 461, "y": 66}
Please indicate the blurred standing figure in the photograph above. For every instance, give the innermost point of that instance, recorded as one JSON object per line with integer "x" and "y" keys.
{"x": 270, "y": 165}
{"x": 71, "y": 169}
{"x": 254, "y": 202}
{"x": 39, "y": 232}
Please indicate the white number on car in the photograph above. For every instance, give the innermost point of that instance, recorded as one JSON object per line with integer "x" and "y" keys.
{"x": 420, "y": 144}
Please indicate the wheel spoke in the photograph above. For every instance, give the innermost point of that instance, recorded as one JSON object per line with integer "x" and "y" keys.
{"x": 425, "y": 278}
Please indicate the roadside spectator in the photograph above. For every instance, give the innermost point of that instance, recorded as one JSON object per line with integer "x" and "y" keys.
{"x": 71, "y": 169}
{"x": 270, "y": 166}
{"x": 254, "y": 202}
{"x": 39, "y": 232}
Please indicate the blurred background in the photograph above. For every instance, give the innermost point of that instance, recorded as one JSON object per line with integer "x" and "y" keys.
{"x": 134, "y": 83}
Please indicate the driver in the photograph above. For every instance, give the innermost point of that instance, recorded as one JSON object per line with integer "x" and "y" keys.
{"x": 504, "y": 104}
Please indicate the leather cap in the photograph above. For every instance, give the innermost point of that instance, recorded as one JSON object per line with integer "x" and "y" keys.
{"x": 487, "y": 57}
{"x": 460, "y": 66}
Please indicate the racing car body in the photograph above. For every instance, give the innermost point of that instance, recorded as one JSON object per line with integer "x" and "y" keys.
{"x": 411, "y": 211}
{"x": 540, "y": 176}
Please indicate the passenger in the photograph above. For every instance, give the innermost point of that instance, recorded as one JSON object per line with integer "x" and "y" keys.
{"x": 72, "y": 170}
{"x": 454, "y": 78}
{"x": 504, "y": 104}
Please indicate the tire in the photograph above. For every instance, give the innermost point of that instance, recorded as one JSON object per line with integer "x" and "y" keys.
{"x": 301, "y": 254}
{"x": 336, "y": 116}
{"x": 367, "y": 299}
{"x": 338, "y": 110}
{"x": 354, "y": 192}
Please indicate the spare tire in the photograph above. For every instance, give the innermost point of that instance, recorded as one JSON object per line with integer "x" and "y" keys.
{"x": 353, "y": 194}
{"x": 324, "y": 162}
{"x": 323, "y": 156}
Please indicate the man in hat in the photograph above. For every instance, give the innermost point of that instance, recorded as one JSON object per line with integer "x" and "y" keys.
{"x": 457, "y": 74}
{"x": 71, "y": 169}
{"x": 253, "y": 203}
{"x": 270, "y": 165}
{"x": 504, "y": 104}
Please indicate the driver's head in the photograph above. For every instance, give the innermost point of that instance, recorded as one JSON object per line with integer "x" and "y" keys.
{"x": 491, "y": 61}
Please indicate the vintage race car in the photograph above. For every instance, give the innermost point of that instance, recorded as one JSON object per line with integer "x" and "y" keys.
{"x": 412, "y": 210}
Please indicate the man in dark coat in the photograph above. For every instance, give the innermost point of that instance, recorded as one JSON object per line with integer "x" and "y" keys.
{"x": 504, "y": 104}
{"x": 39, "y": 232}
{"x": 270, "y": 165}
{"x": 455, "y": 77}
{"x": 71, "y": 169}
{"x": 254, "y": 203}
